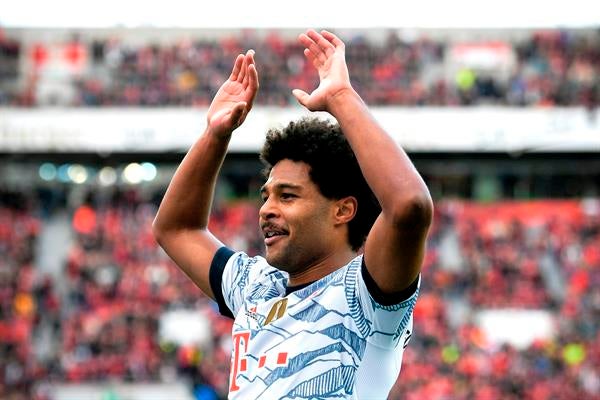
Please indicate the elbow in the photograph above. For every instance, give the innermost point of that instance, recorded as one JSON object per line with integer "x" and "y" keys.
{"x": 414, "y": 212}
{"x": 158, "y": 232}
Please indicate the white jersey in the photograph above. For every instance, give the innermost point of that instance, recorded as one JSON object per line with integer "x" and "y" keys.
{"x": 327, "y": 340}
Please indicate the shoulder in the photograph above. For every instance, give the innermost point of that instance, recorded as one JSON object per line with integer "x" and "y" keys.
{"x": 236, "y": 277}
{"x": 250, "y": 267}
{"x": 255, "y": 268}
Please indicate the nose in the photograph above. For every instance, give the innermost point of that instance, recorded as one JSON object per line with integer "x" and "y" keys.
{"x": 268, "y": 210}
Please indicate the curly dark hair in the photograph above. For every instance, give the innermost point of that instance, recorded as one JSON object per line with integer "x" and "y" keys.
{"x": 333, "y": 167}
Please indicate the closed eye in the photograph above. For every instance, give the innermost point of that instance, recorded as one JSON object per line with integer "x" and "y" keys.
{"x": 288, "y": 196}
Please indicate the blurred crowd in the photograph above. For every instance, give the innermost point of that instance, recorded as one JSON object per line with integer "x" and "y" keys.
{"x": 503, "y": 247}
{"x": 549, "y": 68}
{"x": 103, "y": 313}
{"x": 25, "y": 299}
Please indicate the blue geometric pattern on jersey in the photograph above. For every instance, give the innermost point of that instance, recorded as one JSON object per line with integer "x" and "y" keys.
{"x": 273, "y": 288}
{"x": 395, "y": 307}
{"x": 336, "y": 276}
{"x": 407, "y": 317}
{"x": 313, "y": 313}
{"x": 356, "y": 309}
{"x": 335, "y": 337}
{"x": 410, "y": 304}
{"x": 241, "y": 272}
{"x": 299, "y": 362}
{"x": 363, "y": 325}
{"x": 330, "y": 383}
{"x": 271, "y": 283}
{"x": 316, "y": 311}
{"x": 339, "y": 331}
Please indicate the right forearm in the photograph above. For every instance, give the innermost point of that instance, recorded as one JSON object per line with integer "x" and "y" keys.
{"x": 180, "y": 226}
{"x": 188, "y": 199}
{"x": 187, "y": 202}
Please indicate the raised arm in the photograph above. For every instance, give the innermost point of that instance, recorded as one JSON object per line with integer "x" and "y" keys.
{"x": 395, "y": 246}
{"x": 180, "y": 226}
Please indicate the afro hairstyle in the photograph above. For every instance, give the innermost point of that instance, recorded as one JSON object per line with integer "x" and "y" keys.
{"x": 333, "y": 167}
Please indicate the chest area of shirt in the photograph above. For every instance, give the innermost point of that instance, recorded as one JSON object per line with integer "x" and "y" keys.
{"x": 294, "y": 312}
{"x": 293, "y": 323}
{"x": 275, "y": 336}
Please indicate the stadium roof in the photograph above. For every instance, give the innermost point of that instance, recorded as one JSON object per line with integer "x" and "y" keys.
{"x": 307, "y": 13}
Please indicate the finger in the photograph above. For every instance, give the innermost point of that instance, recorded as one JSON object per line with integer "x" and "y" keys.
{"x": 243, "y": 69}
{"x": 311, "y": 45}
{"x": 252, "y": 85}
{"x": 237, "y": 66}
{"x": 325, "y": 45}
{"x": 301, "y": 96}
{"x": 314, "y": 61}
{"x": 333, "y": 39}
{"x": 250, "y": 54}
{"x": 251, "y": 74}
{"x": 249, "y": 58}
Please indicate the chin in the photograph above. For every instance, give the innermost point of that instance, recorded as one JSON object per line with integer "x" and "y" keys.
{"x": 277, "y": 262}
{"x": 270, "y": 258}
{"x": 273, "y": 260}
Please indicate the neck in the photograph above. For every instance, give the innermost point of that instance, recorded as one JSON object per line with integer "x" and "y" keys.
{"x": 322, "y": 267}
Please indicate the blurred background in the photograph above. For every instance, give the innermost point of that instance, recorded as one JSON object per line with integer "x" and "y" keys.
{"x": 498, "y": 109}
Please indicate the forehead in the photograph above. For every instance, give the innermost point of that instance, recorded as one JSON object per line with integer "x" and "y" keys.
{"x": 289, "y": 172}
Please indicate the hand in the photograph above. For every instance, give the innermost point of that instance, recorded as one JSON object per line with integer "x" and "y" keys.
{"x": 234, "y": 99}
{"x": 327, "y": 53}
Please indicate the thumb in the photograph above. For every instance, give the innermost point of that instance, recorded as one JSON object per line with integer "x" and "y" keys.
{"x": 301, "y": 96}
{"x": 237, "y": 113}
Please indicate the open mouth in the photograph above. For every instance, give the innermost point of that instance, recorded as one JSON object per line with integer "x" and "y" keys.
{"x": 272, "y": 234}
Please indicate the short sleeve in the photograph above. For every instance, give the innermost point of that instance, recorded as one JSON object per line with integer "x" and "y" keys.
{"x": 381, "y": 325}
{"x": 230, "y": 275}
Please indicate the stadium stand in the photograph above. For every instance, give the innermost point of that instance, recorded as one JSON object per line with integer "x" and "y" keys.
{"x": 544, "y": 68}
{"x": 480, "y": 257}
{"x": 89, "y": 303}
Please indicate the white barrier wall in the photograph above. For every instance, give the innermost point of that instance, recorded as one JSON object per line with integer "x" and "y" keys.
{"x": 477, "y": 129}
{"x": 519, "y": 328}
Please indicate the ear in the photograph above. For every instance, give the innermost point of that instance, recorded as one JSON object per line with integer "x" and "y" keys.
{"x": 345, "y": 209}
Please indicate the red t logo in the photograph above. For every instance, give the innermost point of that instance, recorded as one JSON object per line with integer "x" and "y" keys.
{"x": 238, "y": 361}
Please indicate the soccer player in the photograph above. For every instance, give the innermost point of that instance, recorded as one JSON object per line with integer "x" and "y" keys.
{"x": 328, "y": 311}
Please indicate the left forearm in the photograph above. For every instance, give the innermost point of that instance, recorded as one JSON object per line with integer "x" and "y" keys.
{"x": 386, "y": 167}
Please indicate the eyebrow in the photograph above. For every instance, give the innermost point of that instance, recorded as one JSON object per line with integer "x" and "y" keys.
{"x": 281, "y": 186}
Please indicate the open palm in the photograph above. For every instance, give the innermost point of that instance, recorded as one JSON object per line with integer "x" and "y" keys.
{"x": 235, "y": 97}
{"x": 327, "y": 54}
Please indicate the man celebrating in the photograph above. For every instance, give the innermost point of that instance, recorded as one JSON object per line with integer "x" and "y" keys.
{"x": 328, "y": 311}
